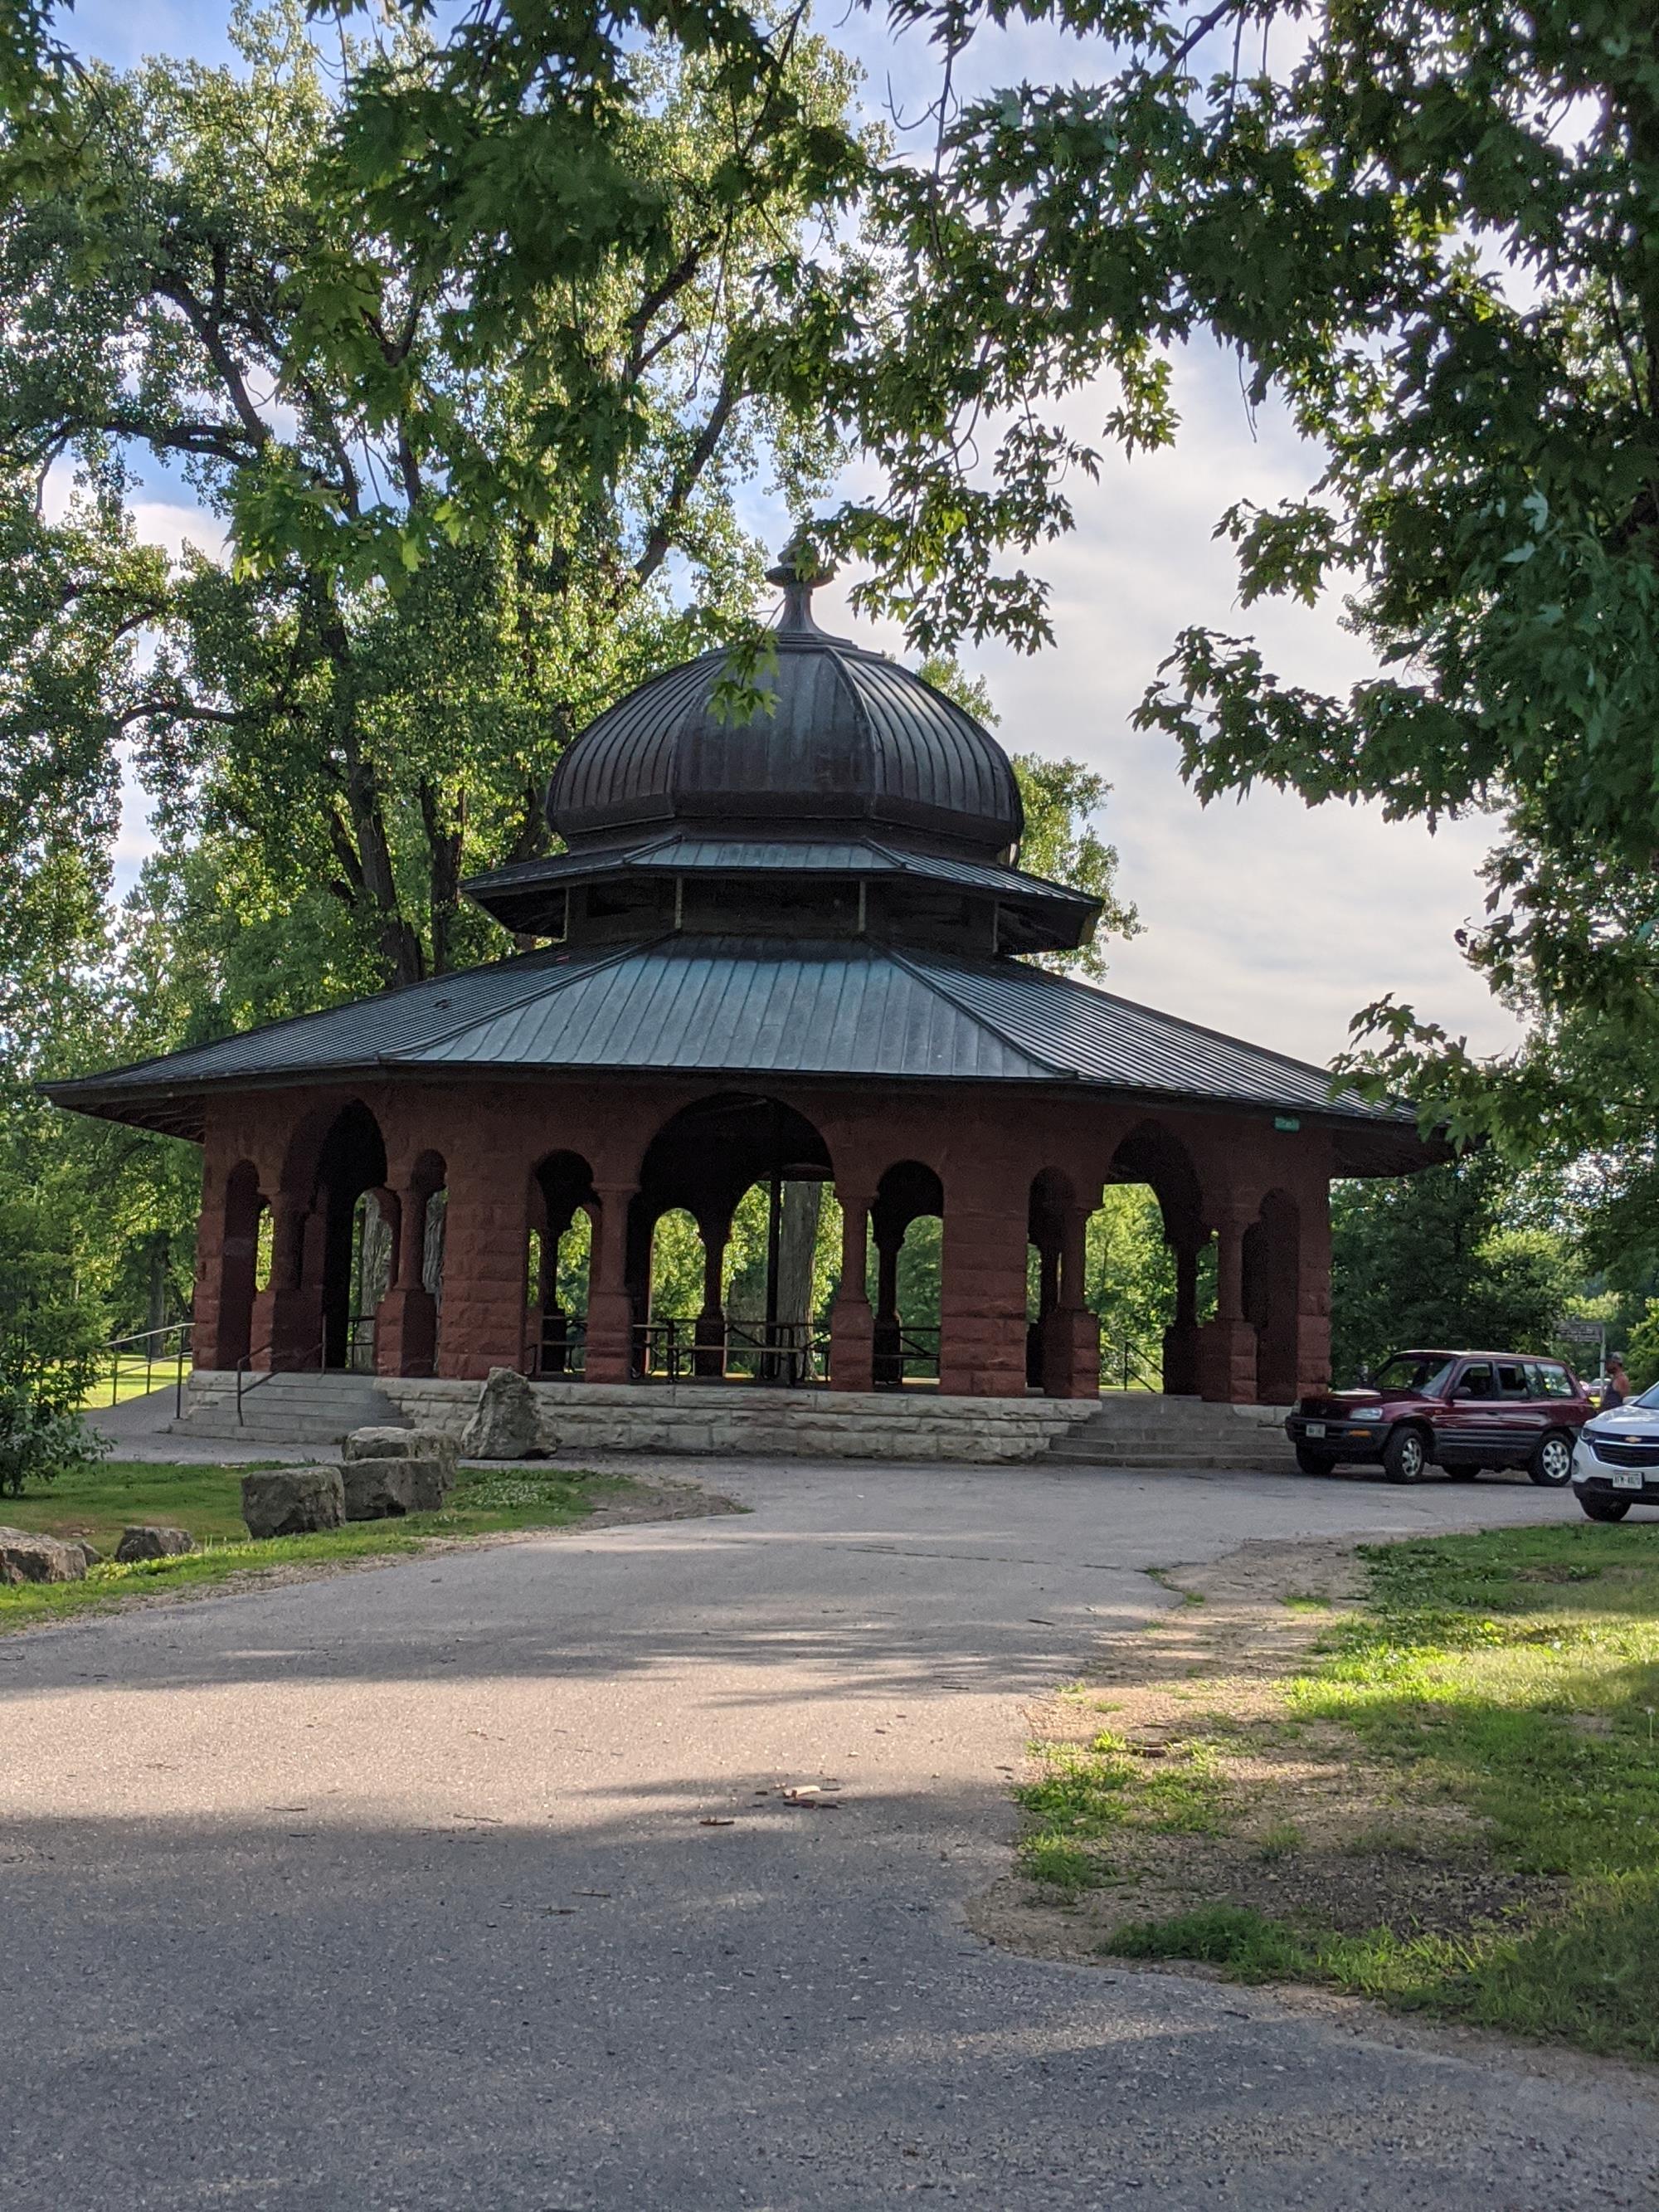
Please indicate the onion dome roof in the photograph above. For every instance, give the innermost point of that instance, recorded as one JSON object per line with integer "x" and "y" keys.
{"x": 850, "y": 738}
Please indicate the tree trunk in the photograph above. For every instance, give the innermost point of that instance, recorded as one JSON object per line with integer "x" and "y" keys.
{"x": 797, "y": 1250}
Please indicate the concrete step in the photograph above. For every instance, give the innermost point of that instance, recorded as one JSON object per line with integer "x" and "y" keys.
{"x": 1170, "y": 1434}
{"x": 284, "y": 1409}
{"x": 1168, "y": 1462}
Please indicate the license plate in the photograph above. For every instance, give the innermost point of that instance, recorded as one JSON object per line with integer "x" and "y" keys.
{"x": 1315, "y": 1428}
{"x": 1627, "y": 1478}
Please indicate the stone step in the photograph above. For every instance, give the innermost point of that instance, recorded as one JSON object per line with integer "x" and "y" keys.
{"x": 283, "y": 1409}
{"x": 1195, "y": 1463}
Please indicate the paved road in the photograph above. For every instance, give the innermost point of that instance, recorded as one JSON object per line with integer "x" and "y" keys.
{"x": 391, "y": 1892}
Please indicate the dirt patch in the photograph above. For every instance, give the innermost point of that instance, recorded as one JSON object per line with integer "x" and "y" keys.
{"x": 1228, "y": 1796}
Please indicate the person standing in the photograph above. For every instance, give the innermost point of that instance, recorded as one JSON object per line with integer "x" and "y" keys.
{"x": 1618, "y": 1388}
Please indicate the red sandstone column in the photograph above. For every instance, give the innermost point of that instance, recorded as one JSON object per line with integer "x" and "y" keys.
{"x": 609, "y": 1307}
{"x": 851, "y": 1324}
{"x": 406, "y": 1319}
{"x": 208, "y": 1349}
{"x": 486, "y": 1256}
{"x": 1181, "y": 1340}
{"x": 1227, "y": 1349}
{"x": 1313, "y": 1320}
{"x": 982, "y": 1302}
{"x": 287, "y": 1318}
{"x": 1071, "y": 1348}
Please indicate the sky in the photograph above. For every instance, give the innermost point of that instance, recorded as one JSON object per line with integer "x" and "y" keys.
{"x": 1261, "y": 917}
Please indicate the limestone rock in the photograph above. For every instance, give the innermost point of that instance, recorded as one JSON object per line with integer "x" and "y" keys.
{"x": 152, "y": 1543}
{"x": 381, "y": 1489}
{"x": 27, "y": 1557}
{"x": 89, "y": 1553}
{"x": 292, "y": 1501}
{"x": 427, "y": 1444}
{"x": 505, "y": 1426}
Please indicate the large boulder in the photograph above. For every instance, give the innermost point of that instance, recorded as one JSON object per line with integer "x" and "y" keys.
{"x": 153, "y": 1543}
{"x": 381, "y": 1489}
{"x": 401, "y": 1443}
{"x": 27, "y": 1557}
{"x": 505, "y": 1426}
{"x": 292, "y": 1501}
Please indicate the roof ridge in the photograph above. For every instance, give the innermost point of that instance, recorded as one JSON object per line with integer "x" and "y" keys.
{"x": 972, "y": 1014}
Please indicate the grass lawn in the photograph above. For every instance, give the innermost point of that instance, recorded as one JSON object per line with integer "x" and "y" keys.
{"x": 1499, "y": 1693}
{"x": 99, "y": 1501}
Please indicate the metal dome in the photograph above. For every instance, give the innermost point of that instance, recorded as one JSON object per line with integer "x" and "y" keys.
{"x": 852, "y": 738}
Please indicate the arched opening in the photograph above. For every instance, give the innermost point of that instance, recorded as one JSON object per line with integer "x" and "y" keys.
{"x": 563, "y": 1208}
{"x": 725, "y": 1244}
{"x": 906, "y": 1226}
{"x": 350, "y": 1164}
{"x": 373, "y": 1252}
{"x": 1272, "y": 1295}
{"x": 1151, "y": 1266}
{"x": 245, "y": 1215}
{"x": 1062, "y": 1334}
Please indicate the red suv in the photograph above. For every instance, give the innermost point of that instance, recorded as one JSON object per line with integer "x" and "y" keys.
{"x": 1459, "y": 1410}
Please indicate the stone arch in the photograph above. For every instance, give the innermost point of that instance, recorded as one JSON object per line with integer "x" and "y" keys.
{"x": 1062, "y": 1336}
{"x": 910, "y": 1191}
{"x": 350, "y": 1163}
{"x": 1272, "y": 1268}
{"x": 562, "y": 1200}
{"x": 1153, "y": 1153}
{"x": 702, "y": 1159}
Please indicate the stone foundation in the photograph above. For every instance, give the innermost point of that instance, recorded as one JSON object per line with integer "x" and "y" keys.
{"x": 761, "y": 1423}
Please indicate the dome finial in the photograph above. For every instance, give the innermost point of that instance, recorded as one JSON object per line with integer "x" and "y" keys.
{"x": 799, "y": 571}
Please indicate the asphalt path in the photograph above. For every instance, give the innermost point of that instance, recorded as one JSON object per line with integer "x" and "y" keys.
{"x": 470, "y": 1883}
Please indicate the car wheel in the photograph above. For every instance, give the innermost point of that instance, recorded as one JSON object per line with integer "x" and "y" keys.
{"x": 1314, "y": 1462}
{"x": 1604, "y": 1509}
{"x": 1403, "y": 1455}
{"x": 1552, "y": 1462}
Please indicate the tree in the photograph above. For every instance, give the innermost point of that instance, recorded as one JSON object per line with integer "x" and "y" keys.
{"x": 50, "y": 1338}
{"x": 372, "y": 697}
{"x": 1451, "y": 1257}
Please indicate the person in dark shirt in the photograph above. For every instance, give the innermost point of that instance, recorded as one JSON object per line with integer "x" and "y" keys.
{"x": 1618, "y": 1388}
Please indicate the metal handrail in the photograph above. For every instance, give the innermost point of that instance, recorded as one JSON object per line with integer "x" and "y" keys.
{"x": 1136, "y": 1370}
{"x": 565, "y": 1354}
{"x": 898, "y": 1345}
{"x": 117, "y": 1344}
{"x": 673, "y": 1350}
{"x": 244, "y": 1367}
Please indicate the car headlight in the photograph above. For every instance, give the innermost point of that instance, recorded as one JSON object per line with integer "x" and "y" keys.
{"x": 1366, "y": 1413}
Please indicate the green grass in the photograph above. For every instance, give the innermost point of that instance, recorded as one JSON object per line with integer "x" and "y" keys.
{"x": 98, "y": 1502}
{"x": 1084, "y": 1797}
{"x": 1514, "y": 1674}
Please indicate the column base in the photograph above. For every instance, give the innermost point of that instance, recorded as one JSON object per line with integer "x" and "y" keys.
{"x": 852, "y": 1346}
{"x": 1226, "y": 1363}
{"x": 1181, "y": 1360}
{"x": 405, "y": 1333}
{"x": 1071, "y": 1353}
{"x": 610, "y": 1337}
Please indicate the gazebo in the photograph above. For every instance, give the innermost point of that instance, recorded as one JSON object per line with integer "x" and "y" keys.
{"x": 795, "y": 948}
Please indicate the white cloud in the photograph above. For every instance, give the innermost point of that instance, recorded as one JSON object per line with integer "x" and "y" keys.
{"x": 1263, "y": 917}
{"x": 175, "y": 524}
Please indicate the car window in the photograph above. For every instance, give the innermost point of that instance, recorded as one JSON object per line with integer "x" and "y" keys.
{"x": 1475, "y": 1382}
{"x": 1512, "y": 1380}
{"x": 1547, "y": 1381}
{"x": 1406, "y": 1371}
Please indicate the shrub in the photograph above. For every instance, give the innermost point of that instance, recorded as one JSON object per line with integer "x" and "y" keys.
{"x": 50, "y": 1335}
